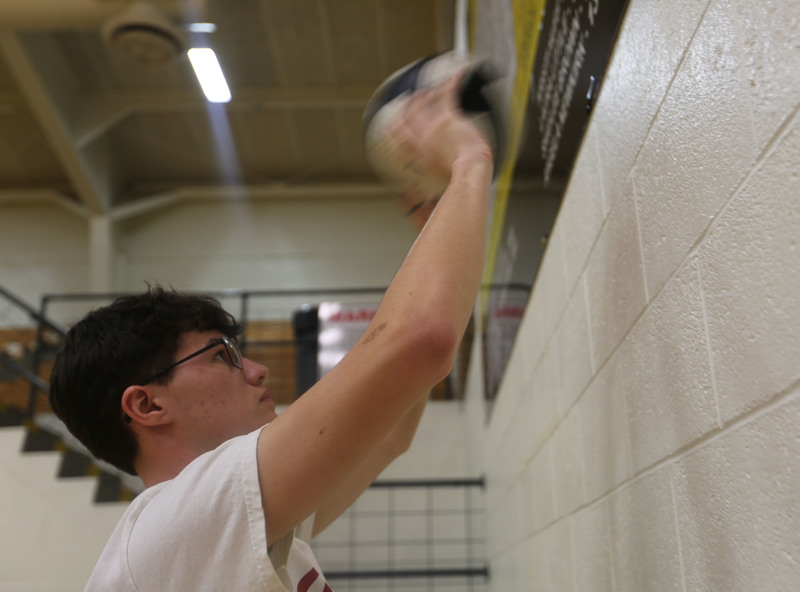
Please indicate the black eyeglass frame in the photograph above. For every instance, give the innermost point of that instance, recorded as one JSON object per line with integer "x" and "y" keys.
{"x": 232, "y": 350}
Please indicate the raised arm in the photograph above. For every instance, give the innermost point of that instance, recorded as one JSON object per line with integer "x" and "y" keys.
{"x": 410, "y": 345}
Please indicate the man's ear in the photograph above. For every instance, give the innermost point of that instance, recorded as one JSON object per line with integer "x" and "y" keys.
{"x": 139, "y": 403}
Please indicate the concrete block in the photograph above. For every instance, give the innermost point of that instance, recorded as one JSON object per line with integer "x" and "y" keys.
{"x": 547, "y": 299}
{"x": 22, "y": 528}
{"x": 699, "y": 149}
{"x": 633, "y": 87}
{"x": 583, "y": 210}
{"x": 666, "y": 364}
{"x": 568, "y": 465}
{"x": 83, "y": 525}
{"x": 749, "y": 264}
{"x": 604, "y": 432}
{"x": 549, "y": 559}
{"x": 47, "y": 564}
{"x": 770, "y": 36}
{"x": 615, "y": 280}
{"x": 592, "y": 555}
{"x": 509, "y": 569}
{"x": 679, "y": 20}
{"x": 538, "y": 492}
{"x": 34, "y": 471}
{"x": 499, "y": 473}
{"x": 738, "y": 509}
{"x": 503, "y": 524}
{"x": 519, "y": 445}
{"x": 645, "y": 537}
{"x": 574, "y": 348}
{"x": 545, "y": 391}
{"x": 11, "y": 440}
{"x": 501, "y": 412}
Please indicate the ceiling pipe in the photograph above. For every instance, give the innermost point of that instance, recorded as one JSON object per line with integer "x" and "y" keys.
{"x": 86, "y": 14}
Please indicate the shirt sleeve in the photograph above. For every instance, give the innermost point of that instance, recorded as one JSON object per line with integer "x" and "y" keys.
{"x": 206, "y": 528}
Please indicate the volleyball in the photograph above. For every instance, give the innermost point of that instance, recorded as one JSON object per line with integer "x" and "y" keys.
{"x": 479, "y": 99}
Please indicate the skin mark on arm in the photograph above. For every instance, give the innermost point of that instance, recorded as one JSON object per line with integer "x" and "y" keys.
{"x": 374, "y": 333}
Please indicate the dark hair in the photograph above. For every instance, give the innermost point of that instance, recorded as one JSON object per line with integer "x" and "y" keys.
{"x": 115, "y": 347}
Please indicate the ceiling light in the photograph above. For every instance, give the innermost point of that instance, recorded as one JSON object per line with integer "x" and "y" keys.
{"x": 201, "y": 28}
{"x": 209, "y": 74}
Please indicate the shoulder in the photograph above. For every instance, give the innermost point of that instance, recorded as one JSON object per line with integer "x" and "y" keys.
{"x": 206, "y": 522}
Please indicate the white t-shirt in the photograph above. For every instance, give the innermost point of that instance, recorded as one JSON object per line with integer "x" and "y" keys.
{"x": 205, "y": 531}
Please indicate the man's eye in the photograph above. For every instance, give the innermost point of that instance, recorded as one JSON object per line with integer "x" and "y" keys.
{"x": 221, "y": 355}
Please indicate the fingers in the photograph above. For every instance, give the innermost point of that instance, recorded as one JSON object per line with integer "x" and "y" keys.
{"x": 444, "y": 94}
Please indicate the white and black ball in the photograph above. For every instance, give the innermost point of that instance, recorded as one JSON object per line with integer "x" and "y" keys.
{"x": 479, "y": 99}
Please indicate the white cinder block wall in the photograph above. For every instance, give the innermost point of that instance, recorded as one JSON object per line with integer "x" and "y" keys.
{"x": 647, "y": 434}
{"x": 50, "y": 531}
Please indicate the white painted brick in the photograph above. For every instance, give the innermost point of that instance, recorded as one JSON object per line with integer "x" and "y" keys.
{"x": 667, "y": 373}
{"x": 522, "y": 441}
{"x": 615, "y": 280}
{"x": 738, "y": 508}
{"x": 47, "y": 563}
{"x": 547, "y": 300}
{"x": 504, "y": 466}
{"x": 680, "y": 19}
{"x": 503, "y": 524}
{"x": 574, "y": 349}
{"x": 568, "y": 464}
{"x": 501, "y": 414}
{"x": 544, "y": 390}
{"x": 508, "y": 570}
{"x": 592, "y": 556}
{"x": 502, "y": 474}
{"x": 633, "y": 88}
{"x": 644, "y": 536}
{"x": 22, "y": 528}
{"x": 34, "y": 471}
{"x": 549, "y": 559}
{"x": 95, "y": 522}
{"x": 750, "y": 262}
{"x": 538, "y": 492}
{"x": 582, "y": 210}
{"x": 604, "y": 432}
{"x": 11, "y": 439}
{"x": 700, "y": 148}
{"x": 770, "y": 37}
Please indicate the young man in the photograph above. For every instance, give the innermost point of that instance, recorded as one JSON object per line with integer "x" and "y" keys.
{"x": 156, "y": 385}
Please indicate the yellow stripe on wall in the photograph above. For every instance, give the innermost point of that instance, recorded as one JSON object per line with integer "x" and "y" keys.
{"x": 527, "y": 18}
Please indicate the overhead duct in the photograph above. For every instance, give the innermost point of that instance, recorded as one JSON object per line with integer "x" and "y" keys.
{"x": 86, "y": 14}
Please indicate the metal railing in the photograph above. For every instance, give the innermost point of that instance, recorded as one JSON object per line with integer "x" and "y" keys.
{"x": 251, "y": 307}
{"x": 59, "y": 311}
{"x": 426, "y": 535}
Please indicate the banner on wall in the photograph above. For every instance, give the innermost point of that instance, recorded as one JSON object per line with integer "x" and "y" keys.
{"x": 562, "y": 49}
{"x": 341, "y": 325}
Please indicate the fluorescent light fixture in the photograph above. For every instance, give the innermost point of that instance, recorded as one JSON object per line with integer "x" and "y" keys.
{"x": 202, "y": 27}
{"x": 209, "y": 74}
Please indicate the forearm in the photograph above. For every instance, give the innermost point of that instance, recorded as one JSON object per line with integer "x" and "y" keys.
{"x": 440, "y": 277}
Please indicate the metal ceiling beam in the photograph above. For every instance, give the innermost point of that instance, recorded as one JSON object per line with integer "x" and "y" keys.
{"x": 160, "y": 200}
{"x": 28, "y": 197}
{"x": 319, "y": 97}
{"x": 99, "y": 111}
{"x": 42, "y": 79}
{"x": 77, "y": 14}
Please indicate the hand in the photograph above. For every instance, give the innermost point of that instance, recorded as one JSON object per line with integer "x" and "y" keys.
{"x": 433, "y": 132}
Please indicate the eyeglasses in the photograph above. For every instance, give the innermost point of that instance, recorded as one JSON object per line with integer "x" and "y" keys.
{"x": 231, "y": 350}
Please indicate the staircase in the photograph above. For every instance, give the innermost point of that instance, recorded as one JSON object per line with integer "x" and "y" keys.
{"x": 25, "y": 357}
{"x": 52, "y": 533}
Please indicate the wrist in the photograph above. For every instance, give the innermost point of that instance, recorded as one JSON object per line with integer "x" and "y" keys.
{"x": 474, "y": 160}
